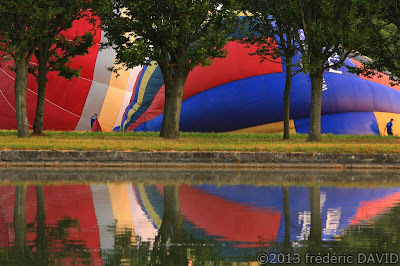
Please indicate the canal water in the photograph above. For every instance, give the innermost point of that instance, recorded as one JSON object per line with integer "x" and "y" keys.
{"x": 198, "y": 217}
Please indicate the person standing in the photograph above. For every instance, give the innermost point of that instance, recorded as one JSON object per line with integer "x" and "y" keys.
{"x": 389, "y": 127}
{"x": 94, "y": 117}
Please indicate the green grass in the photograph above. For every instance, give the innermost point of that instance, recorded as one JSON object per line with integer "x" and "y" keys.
{"x": 198, "y": 142}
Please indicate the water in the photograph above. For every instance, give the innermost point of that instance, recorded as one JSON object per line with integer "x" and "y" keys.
{"x": 203, "y": 217}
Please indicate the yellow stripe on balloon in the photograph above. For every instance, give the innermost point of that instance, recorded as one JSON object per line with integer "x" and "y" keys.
{"x": 267, "y": 128}
{"x": 113, "y": 100}
{"x": 142, "y": 89}
{"x": 383, "y": 118}
{"x": 128, "y": 93}
{"x": 121, "y": 208}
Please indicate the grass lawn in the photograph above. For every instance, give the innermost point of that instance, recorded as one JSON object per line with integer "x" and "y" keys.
{"x": 150, "y": 141}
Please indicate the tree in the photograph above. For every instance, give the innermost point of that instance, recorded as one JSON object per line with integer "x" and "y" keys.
{"x": 19, "y": 36}
{"x": 29, "y": 27}
{"x": 273, "y": 30}
{"x": 177, "y": 34}
{"x": 329, "y": 30}
{"x": 383, "y": 44}
{"x": 55, "y": 51}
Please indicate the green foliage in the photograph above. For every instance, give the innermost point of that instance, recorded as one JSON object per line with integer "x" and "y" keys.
{"x": 272, "y": 28}
{"x": 55, "y": 50}
{"x": 20, "y": 26}
{"x": 172, "y": 32}
{"x": 29, "y": 26}
{"x": 382, "y": 41}
{"x": 329, "y": 31}
{"x": 60, "y": 51}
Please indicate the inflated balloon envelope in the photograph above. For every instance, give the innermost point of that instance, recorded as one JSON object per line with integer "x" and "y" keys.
{"x": 236, "y": 93}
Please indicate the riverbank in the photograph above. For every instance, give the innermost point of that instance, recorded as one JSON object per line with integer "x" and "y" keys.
{"x": 266, "y": 177}
{"x": 197, "y": 150}
{"x": 177, "y": 159}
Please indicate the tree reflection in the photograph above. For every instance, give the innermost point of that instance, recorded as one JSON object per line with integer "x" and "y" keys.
{"x": 379, "y": 235}
{"x": 124, "y": 252}
{"x": 286, "y": 215}
{"x": 173, "y": 245}
{"x": 42, "y": 252}
{"x": 315, "y": 239}
{"x": 20, "y": 249}
{"x": 169, "y": 245}
{"x": 52, "y": 244}
{"x": 376, "y": 237}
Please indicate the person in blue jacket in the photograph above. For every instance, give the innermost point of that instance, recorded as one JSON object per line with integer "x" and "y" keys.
{"x": 94, "y": 117}
{"x": 389, "y": 127}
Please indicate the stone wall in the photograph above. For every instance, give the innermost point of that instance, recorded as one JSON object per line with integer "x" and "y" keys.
{"x": 15, "y": 158}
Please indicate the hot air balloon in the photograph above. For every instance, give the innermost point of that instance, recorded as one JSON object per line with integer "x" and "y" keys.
{"x": 70, "y": 104}
{"x": 239, "y": 94}
{"x": 233, "y": 94}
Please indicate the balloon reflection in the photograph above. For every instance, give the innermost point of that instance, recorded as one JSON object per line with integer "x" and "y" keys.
{"x": 183, "y": 224}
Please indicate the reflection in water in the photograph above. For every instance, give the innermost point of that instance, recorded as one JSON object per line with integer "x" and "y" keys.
{"x": 36, "y": 231}
{"x": 184, "y": 224}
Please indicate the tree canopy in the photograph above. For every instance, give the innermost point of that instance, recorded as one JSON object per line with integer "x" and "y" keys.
{"x": 161, "y": 30}
{"x": 177, "y": 34}
{"x": 55, "y": 50}
{"x": 383, "y": 43}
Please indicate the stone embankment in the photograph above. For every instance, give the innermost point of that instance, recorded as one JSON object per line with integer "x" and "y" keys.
{"x": 162, "y": 159}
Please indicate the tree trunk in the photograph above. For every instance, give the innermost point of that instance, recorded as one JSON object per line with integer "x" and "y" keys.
{"x": 286, "y": 214}
{"x": 314, "y": 134}
{"x": 41, "y": 242}
{"x": 316, "y": 226}
{"x": 20, "y": 91}
{"x": 41, "y": 81}
{"x": 286, "y": 102}
{"x": 19, "y": 224}
{"x": 174, "y": 85}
